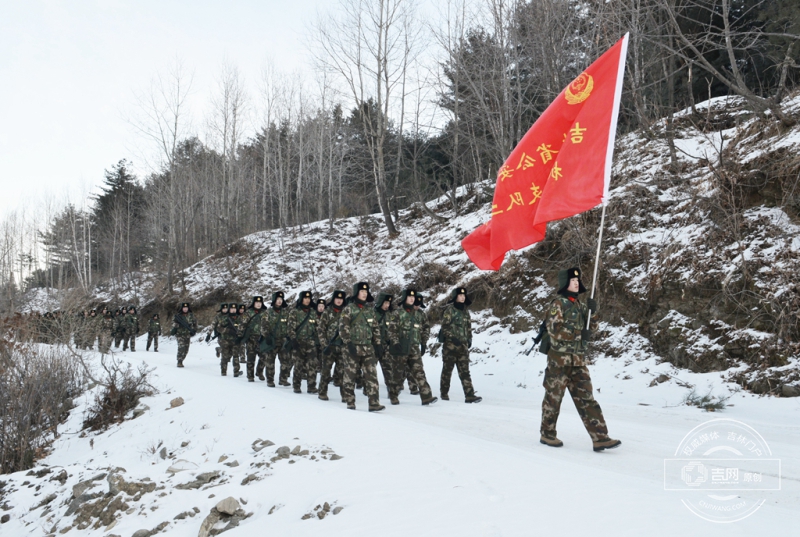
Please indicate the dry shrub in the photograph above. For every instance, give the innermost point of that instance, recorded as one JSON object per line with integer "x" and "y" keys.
{"x": 121, "y": 390}
{"x": 432, "y": 278}
{"x": 37, "y": 385}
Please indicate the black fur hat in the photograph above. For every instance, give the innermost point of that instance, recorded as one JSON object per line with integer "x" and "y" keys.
{"x": 155, "y": 316}
{"x": 275, "y": 296}
{"x": 460, "y": 291}
{"x": 419, "y": 301}
{"x": 321, "y": 301}
{"x": 222, "y": 306}
{"x": 338, "y": 294}
{"x": 383, "y": 296}
{"x": 407, "y": 293}
{"x": 564, "y": 276}
{"x": 184, "y": 305}
{"x": 132, "y": 307}
{"x": 257, "y": 298}
{"x": 358, "y": 287}
{"x": 301, "y": 296}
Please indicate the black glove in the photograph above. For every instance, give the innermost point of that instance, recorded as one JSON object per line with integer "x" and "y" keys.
{"x": 469, "y": 343}
{"x": 208, "y": 337}
{"x": 351, "y": 348}
{"x": 380, "y": 352}
{"x": 586, "y": 335}
{"x": 173, "y": 331}
{"x": 592, "y": 305}
{"x": 423, "y": 348}
{"x": 295, "y": 344}
{"x": 455, "y": 341}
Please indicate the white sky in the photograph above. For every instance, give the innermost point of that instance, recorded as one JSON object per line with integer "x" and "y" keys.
{"x": 69, "y": 71}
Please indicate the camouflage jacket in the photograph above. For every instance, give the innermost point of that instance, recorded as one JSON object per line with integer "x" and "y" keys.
{"x": 304, "y": 332}
{"x": 119, "y": 323}
{"x": 565, "y": 320}
{"x": 358, "y": 325}
{"x": 154, "y": 327}
{"x": 384, "y": 318}
{"x": 180, "y": 331}
{"x": 252, "y": 320}
{"x": 108, "y": 325}
{"x": 328, "y": 325}
{"x": 275, "y": 324}
{"x": 456, "y": 326}
{"x": 130, "y": 324}
{"x": 407, "y": 329}
{"x": 228, "y": 330}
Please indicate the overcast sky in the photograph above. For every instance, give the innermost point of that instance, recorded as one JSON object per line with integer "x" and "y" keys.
{"x": 69, "y": 71}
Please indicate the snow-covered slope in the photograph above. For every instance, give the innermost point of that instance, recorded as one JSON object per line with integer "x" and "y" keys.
{"x": 449, "y": 469}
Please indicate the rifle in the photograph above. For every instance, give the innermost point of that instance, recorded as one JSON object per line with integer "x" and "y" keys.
{"x": 287, "y": 345}
{"x": 247, "y": 330}
{"x": 538, "y": 338}
{"x": 332, "y": 343}
{"x": 181, "y": 320}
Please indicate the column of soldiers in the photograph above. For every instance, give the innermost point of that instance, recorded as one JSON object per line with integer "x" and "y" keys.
{"x": 340, "y": 340}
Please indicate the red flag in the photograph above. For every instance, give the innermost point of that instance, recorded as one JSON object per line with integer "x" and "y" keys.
{"x": 561, "y": 167}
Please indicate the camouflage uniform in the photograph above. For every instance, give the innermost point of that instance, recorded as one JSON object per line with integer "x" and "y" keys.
{"x": 274, "y": 329}
{"x": 153, "y": 331}
{"x": 252, "y": 335}
{"x": 118, "y": 328}
{"x": 456, "y": 336}
{"x": 389, "y": 364}
{"x": 239, "y": 346}
{"x": 359, "y": 330}
{"x": 410, "y": 332}
{"x": 303, "y": 339}
{"x": 331, "y": 354}
{"x": 130, "y": 329}
{"x": 183, "y": 335}
{"x": 106, "y": 333}
{"x": 229, "y": 328}
{"x": 566, "y": 366}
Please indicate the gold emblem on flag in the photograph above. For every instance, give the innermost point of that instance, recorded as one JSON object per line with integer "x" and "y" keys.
{"x": 580, "y": 89}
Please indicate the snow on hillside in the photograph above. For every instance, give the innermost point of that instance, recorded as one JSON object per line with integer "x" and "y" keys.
{"x": 449, "y": 469}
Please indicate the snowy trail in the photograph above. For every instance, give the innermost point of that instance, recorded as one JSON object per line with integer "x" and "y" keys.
{"x": 449, "y": 469}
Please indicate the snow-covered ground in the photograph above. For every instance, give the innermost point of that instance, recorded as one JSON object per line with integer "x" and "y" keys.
{"x": 448, "y": 469}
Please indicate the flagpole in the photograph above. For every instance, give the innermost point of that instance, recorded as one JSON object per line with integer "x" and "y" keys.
{"x": 597, "y": 261}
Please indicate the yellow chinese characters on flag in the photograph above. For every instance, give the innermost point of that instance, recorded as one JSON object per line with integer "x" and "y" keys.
{"x": 561, "y": 167}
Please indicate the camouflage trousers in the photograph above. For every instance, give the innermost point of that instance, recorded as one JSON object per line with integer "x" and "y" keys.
{"x": 333, "y": 360}
{"x": 239, "y": 353}
{"x": 252, "y": 351}
{"x": 389, "y": 365}
{"x": 286, "y": 364}
{"x": 226, "y": 348}
{"x": 411, "y": 366}
{"x": 305, "y": 368}
{"x": 183, "y": 346}
{"x": 152, "y": 338}
{"x": 117, "y": 339}
{"x": 456, "y": 357}
{"x": 363, "y": 361}
{"x": 104, "y": 343}
{"x": 129, "y": 339}
{"x": 557, "y": 379}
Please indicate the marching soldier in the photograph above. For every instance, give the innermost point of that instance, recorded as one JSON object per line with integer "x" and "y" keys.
{"x": 228, "y": 328}
{"x": 153, "y": 331}
{"x": 456, "y": 338}
{"x": 304, "y": 342}
{"x": 328, "y": 333}
{"x": 359, "y": 330}
{"x": 130, "y": 329}
{"x": 320, "y": 306}
{"x": 239, "y": 352}
{"x": 118, "y": 327}
{"x": 184, "y": 326}
{"x": 222, "y": 314}
{"x": 566, "y": 366}
{"x": 410, "y": 335}
{"x": 383, "y": 307}
{"x": 106, "y": 333}
{"x": 274, "y": 329}
{"x": 251, "y": 336}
